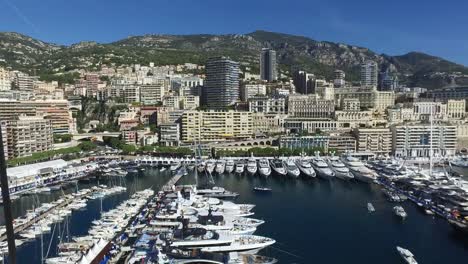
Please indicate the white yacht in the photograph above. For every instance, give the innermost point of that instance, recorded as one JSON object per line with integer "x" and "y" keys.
{"x": 229, "y": 168}
{"x": 278, "y": 166}
{"x": 293, "y": 170}
{"x": 358, "y": 169}
{"x": 201, "y": 166}
{"x": 322, "y": 169}
{"x": 245, "y": 243}
{"x": 240, "y": 167}
{"x": 210, "y": 165}
{"x": 264, "y": 167}
{"x": 399, "y": 211}
{"x": 406, "y": 255}
{"x": 220, "y": 166}
{"x": 245, "y": 221}
{"x": 460, "y": 165}
{"x": 305, "y": 167}
{"x": 252, "y": 166}
{"x": 338, "y": 167}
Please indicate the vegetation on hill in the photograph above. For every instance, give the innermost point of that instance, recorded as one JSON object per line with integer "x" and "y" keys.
{"x": 53, "y": 62}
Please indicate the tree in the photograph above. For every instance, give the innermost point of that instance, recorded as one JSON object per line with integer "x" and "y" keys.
{"x": 127, "y": 149}
{"x": 87, "y": 146}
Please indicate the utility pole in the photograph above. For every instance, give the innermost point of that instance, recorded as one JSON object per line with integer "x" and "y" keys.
{"x": 7, "y": 205}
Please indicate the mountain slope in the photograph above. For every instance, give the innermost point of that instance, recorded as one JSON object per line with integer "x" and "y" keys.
{"x": 319, "y": 57}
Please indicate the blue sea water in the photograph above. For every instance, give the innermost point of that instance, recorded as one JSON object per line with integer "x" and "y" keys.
{"x": 313, "y": 221}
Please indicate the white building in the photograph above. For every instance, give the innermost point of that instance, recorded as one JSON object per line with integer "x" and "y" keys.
{"x": 251, "y": 90}
{"x": 414, "y": 140}
{"x": 310, "y": 106}
{"x": 268, "y": 105}
{"x": 5, "y": 83}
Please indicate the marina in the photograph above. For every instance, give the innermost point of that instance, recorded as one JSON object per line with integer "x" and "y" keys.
{"x": 379, "y": 197}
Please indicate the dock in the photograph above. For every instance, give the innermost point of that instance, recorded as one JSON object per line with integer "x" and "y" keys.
{"x": 21, "y": 228}
{"x": 168, "y": 186}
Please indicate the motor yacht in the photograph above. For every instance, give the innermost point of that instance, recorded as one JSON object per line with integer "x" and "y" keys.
{"x": 245, "y": 243}
{"x": 220, "y": 166}
{"x": 406, "y": 255}
{"x": 292, "y": 169}
{"x": 210, "y": 165}
{"x": 338, "y": 167}
{"x": 201, "y": 166}
{"x": 264, "y": 168}
{"x": 252, "y": 166}
{"x": 358, "y": 169}
{"x": 278, "y": 166}
{"x": 240, "y": 167}
{"x": 230, "y": 165}
{"x": 399, "y": 211}
{"x": 322, "y": 169}
{"x": 304, "y": 166}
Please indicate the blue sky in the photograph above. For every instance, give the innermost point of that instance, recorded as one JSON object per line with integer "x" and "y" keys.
{"x": 393, "y": 27}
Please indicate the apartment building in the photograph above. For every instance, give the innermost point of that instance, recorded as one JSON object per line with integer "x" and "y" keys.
{"x": 27, "y": 135}
{"x": 250, "y": 90}
{"x": 369, "y": 97}
{"x": 5, "y": 83}
{"x": 376, "y": 140}
{"x": 414, "y": 140}
{"x": 267, "y": 105}
{"x": 152, "y": 93}
{"x": 212, "y": 126}
{"x": 57, "y": 111}
{"x": 169, "y": 134}
{"x": 310, "y": 106}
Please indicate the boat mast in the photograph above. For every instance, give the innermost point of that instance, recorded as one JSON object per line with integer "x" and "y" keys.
{"x": 431, "y": 134}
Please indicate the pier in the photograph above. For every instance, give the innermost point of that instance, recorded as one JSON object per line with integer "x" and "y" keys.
{"x": 168, "y": 186}
{"x": 21, "y": 228}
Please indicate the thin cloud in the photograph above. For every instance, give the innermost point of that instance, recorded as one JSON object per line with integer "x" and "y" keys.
{"x": 23, "y": 17}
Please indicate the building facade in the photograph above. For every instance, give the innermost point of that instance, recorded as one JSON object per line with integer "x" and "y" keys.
{"x": 222, "y": 82}
{"x": 169, "y": 134}
{"x": 376, "y": 140}
{"x": 212, "y": 126}
{"x": 250, "y": 90}
{"x": 5, "y": 83}
{"x": 267, "y": 105}
{"x": 369, "y": 74}
{"x": 310, "y": 106}
{"x": 414, "y": 140}
{"x": 268, "y": 67}
{"x": 27, "y": 135}
{"x": 152, "y": 93}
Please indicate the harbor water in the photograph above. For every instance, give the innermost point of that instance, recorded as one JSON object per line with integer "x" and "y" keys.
{"x": 313, "y": 221}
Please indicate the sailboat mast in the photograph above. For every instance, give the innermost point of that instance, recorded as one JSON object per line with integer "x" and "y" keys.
{"x": 431, "y": 134}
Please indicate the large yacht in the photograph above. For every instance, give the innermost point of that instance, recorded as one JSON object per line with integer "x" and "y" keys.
{"x": 210, "y": 165}
{"x": 264, "y": 168}
{"x": 220, "y": 166}
{"x": 247, "y": 243}
{"x": 240, "y": 167}
{"x": 322, "y": 169}
{"x": 340, "y": 170}
{"x": 229, "y": 168}
{"x": 201, "y": 166}
{"x": 460, "y": 165}
{"x": 278, "y": 166}
{"x": 305, "y": 167}
{"x": 406, "y": 255}
{"x": 252, "y": 166}
{"x": 358, "y": 169}
{"x": 292, "y": 169}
